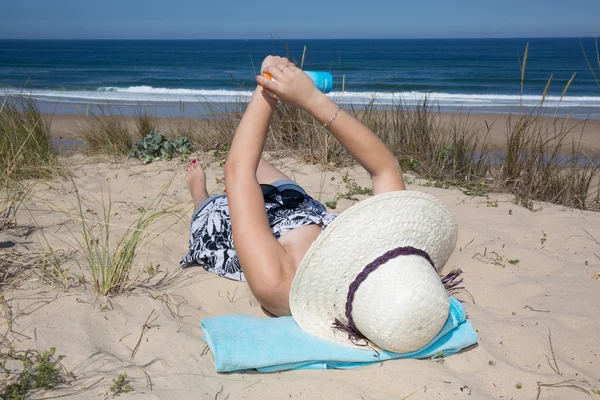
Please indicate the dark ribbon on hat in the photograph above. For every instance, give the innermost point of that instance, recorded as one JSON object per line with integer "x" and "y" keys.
{"x": 450, "y": 282}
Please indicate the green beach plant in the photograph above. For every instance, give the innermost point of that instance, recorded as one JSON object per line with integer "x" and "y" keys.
{"x": 120, "y": 386}
{"x": 353, "y": 189}
{"x": 38, "y": 371}
{"x": 331, "y": 204}
{"x": 156, "y": 147}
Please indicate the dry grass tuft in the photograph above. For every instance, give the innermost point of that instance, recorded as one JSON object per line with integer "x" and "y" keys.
{"x": 105, "y": 133}
{"x": 25, "y": 148}
{"x": 591, "y": 67}
{"x": 12, "y": 195}
{"x": 25, "y": 153}
{"x": 17, "y": 266}
{"x": 107, "y": 261}
{"x": 540, "y": 165}
{"x": 145, "y": 123}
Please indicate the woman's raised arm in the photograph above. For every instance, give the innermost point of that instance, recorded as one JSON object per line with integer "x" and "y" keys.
{"x": 294, "y": 87}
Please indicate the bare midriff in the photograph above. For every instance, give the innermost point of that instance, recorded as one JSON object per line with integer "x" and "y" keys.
{"x": 297, "y": 242}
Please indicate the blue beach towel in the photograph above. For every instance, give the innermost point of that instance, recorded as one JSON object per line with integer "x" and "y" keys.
{"x": 243, "y": 343}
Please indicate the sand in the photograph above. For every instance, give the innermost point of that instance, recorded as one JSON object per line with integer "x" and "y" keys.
{"x": 491, "y": 127}
{"x": 514, "y": 306}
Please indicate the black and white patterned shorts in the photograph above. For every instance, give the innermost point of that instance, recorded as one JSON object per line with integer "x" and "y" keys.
{"x": 211, "y": 238}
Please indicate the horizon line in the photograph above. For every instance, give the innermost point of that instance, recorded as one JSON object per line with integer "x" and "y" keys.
{"x": 278, "y": 38}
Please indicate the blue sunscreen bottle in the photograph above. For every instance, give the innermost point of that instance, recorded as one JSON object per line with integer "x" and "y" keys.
{"x": 322, "y": 80}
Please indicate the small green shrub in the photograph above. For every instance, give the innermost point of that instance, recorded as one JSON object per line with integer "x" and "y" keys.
{"x": 331, "y": 204}
{"x": 152, "y": 270}
{"x": 156, "y": 146}
{"x": 120, "y": 386}
{"x": 39, "y": 371}
{"x": 220, "y": 151}
{"x": 353, "y": 189}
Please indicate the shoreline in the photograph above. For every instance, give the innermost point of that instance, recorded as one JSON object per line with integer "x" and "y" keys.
{"x": 199, "y": 106}
{"x": 65, "y": 126}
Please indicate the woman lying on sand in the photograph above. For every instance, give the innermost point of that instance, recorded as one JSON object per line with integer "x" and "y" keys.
{"x": 272, "y": 219}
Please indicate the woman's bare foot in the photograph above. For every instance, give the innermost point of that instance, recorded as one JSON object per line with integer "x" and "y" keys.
{"x": 196, "y": 182}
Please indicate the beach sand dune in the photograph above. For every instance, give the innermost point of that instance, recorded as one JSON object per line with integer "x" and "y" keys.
{"x": 531, "y": 276}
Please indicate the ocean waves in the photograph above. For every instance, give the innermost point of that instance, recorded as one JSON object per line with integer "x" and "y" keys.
{"x": 148, "y": 95}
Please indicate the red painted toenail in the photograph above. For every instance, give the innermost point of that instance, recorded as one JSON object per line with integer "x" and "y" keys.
{"x": 193, "y": 161}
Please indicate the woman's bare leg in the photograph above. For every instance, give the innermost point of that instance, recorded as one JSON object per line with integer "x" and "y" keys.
{"x": 267, "y": 173}
{"x": 196, "y": 182}
{"x": 196, "y": 179}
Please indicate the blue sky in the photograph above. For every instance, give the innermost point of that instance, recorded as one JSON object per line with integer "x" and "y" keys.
{"x": 220, "y": 19}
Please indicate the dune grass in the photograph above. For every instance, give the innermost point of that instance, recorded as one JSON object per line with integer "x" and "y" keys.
{"x": 25, "y": 153}
{"x": 25, "y": 148}
{"x": 536, "y": 163}
{"x": 105, "y": 133}
{"x": 432, "y": 147}
{"x": 108, "y": 260}
{"x": 540, "y": 164}
{"x": 12, "y": 195}
{"x": 597, "y": 60}
{"x": 145, "y": 123}
{"x": 214, "y": 131}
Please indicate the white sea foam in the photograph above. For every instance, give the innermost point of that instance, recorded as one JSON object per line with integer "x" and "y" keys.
{"x": 147, "y": 94}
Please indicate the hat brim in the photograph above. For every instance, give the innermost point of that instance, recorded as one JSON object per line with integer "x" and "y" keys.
{"x": 354, "y": 239}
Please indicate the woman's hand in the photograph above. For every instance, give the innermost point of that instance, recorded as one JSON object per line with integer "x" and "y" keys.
{"x": 273, "y": 60}
{"x": 289, "y": 85}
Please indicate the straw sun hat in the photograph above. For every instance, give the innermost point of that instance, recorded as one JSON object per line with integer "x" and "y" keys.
{"x": 372, "y": 277}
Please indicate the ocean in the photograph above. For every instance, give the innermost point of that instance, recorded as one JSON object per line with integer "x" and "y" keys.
{"x": 471, "y": 75}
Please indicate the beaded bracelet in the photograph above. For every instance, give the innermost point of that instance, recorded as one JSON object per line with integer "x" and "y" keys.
{"x": 332, "y": 118}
